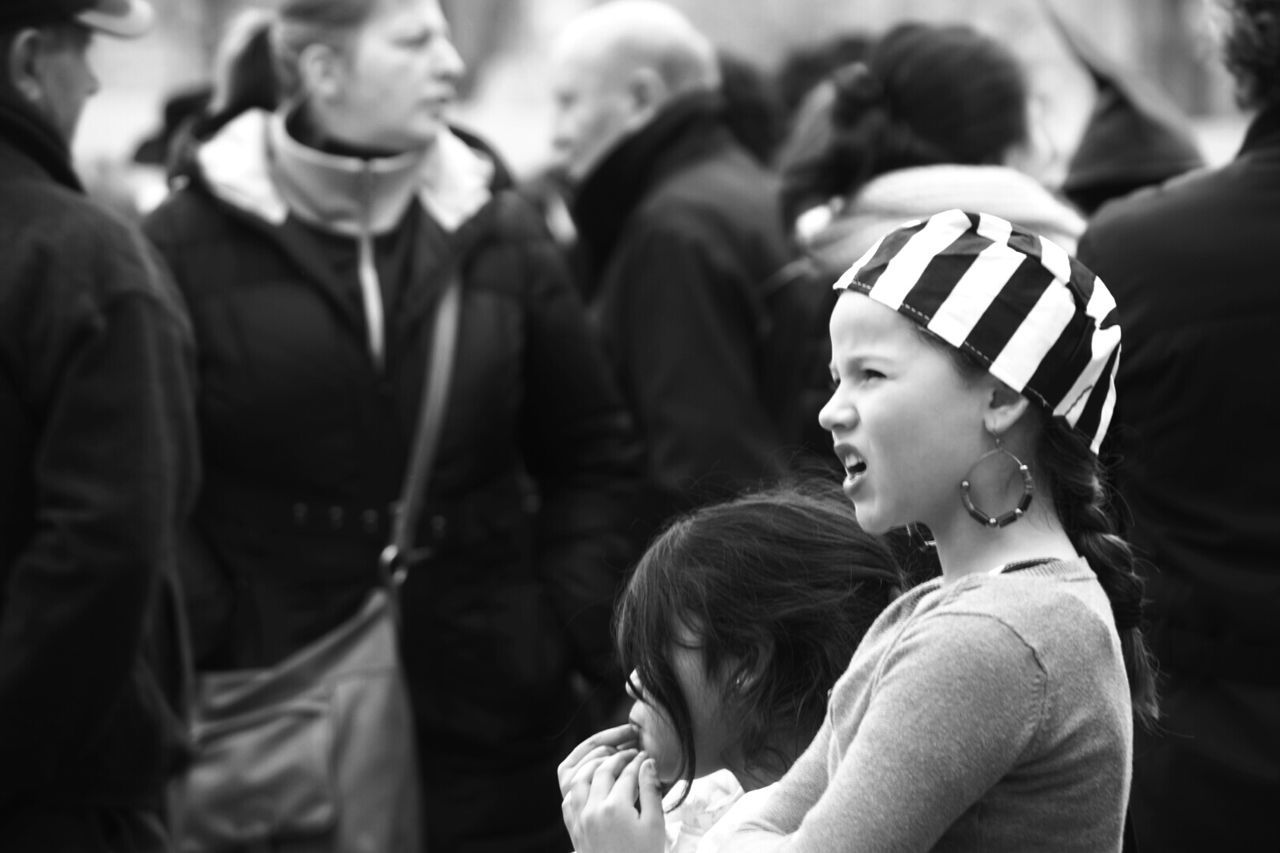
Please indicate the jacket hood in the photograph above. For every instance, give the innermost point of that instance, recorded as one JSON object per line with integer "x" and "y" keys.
{"x": 254, "y": 165}
{"x": 839, "y": 234}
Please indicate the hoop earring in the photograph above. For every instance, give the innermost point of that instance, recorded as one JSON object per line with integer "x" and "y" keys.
{"x": 985, "y": 518}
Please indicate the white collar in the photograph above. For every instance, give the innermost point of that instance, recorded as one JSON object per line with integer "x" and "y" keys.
{"x": 254, "y": 164}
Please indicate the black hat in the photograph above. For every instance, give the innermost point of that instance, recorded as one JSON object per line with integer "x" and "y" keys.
{"x": 180, "y": 109}
{"x": 125, "y": 18}
{"x": 1135, "y": 135}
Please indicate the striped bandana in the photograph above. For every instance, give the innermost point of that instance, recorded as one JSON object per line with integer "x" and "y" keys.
{"x": 1039, "y": 320}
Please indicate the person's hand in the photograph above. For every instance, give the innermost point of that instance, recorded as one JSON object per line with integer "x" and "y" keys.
{"x": 578, "y": 792}
{"x": 623, "y": 812}
{"x": 579, "y": 765}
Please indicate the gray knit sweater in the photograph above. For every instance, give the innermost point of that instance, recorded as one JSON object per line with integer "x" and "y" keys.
{"x": 990, "y": 713}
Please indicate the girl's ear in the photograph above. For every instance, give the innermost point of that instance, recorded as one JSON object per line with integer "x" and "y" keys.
{"x": 1005, "y": 407}
{"x": 753, "y": 668}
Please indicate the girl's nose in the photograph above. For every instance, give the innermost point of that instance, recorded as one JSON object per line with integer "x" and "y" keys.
{"x": 835, "y": 413}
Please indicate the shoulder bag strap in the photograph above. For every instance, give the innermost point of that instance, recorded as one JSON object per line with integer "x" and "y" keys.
{"x": 396, "y": 557}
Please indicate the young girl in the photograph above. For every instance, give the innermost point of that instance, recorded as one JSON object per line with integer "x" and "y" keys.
{"x": 937, "y": 115}
{"x": 991, "y": 708}
{"x": 736, "y": 623}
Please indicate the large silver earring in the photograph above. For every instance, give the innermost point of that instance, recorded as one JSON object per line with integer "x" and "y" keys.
{"x": 985, "y": 518}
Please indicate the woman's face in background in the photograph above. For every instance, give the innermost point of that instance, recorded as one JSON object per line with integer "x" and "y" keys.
{"x": 399, "y": 76}
{"x": 704, "y": 695}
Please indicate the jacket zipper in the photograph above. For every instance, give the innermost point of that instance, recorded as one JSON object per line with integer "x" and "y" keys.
{"x": 370, "y": 288}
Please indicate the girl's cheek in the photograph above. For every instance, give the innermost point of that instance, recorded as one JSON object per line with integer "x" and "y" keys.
{"x": 665, "y": 766}
{"x": 665, "y": 750}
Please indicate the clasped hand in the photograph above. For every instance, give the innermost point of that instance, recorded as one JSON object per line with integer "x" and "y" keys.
{"x": 612, "y": 797}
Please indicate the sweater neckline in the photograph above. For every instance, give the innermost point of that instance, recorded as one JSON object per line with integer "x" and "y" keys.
{"x": 1054, "y": 567}
{"x": 1021, "y": 565}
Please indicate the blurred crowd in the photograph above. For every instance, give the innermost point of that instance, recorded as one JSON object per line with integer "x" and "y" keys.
{"x": 211, "y": 377}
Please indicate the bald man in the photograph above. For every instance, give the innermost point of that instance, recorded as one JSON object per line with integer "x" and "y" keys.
{"x": 679, "y": 230}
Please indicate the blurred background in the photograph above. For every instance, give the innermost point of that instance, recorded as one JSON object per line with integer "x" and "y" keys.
{"x": 1166, "y": 45}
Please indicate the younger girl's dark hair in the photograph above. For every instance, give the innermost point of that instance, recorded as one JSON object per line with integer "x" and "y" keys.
{"x": 926, "y": 94}
{"x": 1082, "y": 499}
{"x": 779, "y": 587}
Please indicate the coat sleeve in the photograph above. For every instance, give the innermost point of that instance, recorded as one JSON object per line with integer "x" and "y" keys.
{"x": 582, "y": 449}
{"x": 114, "y": 468}
{"x": 689, "y": 352}
{"x": 957, "y": 701}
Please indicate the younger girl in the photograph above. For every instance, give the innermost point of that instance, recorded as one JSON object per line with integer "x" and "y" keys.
{"x": 938, "y": 115}
{"x": 735, "y": 624}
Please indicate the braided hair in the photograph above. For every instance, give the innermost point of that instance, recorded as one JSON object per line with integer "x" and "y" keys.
{"x": 1081, "y": 497}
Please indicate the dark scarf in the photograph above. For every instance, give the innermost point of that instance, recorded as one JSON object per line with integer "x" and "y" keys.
{"x": 689, "y": 127}
{"x": 31, "y": 134}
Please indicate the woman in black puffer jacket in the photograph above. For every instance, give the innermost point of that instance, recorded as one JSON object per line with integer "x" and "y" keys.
{"x": 312, "y": 244}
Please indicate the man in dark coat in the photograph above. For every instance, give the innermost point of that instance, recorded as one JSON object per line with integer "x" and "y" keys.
{"x": 680, "y": 230}
{"x": 97, "y": 467}
{"x": 1193, "y": 268}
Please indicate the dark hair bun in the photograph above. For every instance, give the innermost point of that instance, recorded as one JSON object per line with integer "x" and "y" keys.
{"x": 858, "y": 90}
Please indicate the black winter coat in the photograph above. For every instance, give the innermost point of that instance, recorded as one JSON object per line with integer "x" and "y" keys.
{"x": 1193, "y": 267}
{"x": 98, "y": 468}
{"x": 306, "y": 441}
{"x": 681, "y": 232}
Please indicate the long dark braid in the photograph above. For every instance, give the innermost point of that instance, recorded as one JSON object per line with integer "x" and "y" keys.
{"x": 1081, "y": 497}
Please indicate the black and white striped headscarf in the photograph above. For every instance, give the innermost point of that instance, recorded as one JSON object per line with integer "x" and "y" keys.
{"x": 1039, "y": 320}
